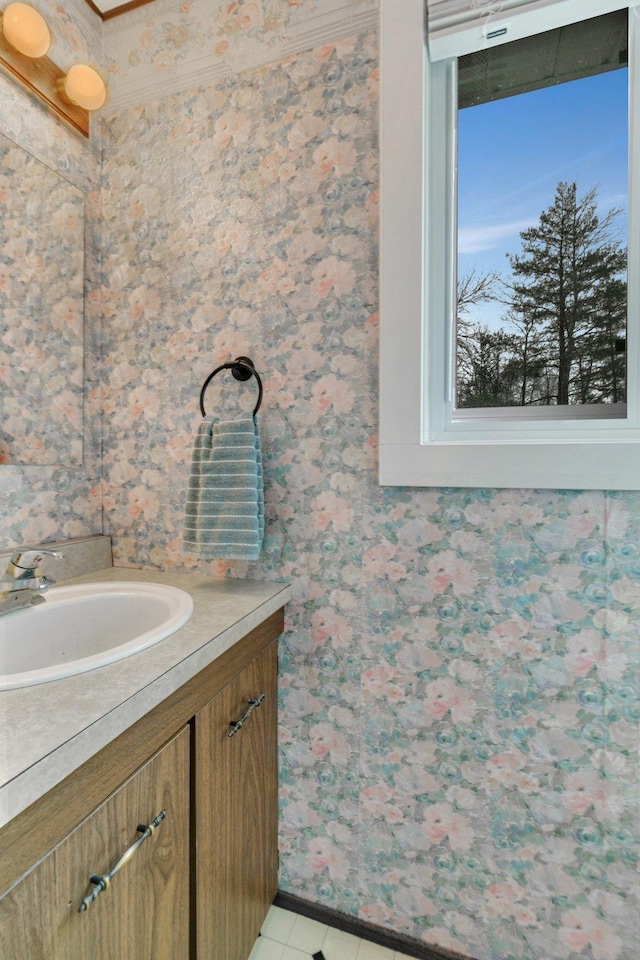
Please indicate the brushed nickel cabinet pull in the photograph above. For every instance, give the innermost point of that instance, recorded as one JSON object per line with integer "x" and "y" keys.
{"x": 237, "y": 725}
{"x": 101, "y": 882}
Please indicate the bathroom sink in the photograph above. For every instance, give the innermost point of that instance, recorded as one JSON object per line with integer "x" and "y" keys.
{"x": 84, "y": 626}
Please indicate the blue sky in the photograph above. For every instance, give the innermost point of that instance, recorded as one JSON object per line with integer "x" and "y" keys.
{"x": 512, "y": 153}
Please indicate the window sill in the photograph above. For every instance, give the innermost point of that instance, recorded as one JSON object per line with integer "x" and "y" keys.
{"x": 609, "y": 465}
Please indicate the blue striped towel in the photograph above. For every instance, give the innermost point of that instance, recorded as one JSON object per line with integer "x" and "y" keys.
{"x": 224, "y": 517}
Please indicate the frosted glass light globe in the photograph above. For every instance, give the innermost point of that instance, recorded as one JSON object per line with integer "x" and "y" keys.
{"x": 26, "y": 30}
{"x": 84, "y": 87}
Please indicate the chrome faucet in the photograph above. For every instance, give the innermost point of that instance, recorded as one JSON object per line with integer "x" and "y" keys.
{"x": 22, "y": 584}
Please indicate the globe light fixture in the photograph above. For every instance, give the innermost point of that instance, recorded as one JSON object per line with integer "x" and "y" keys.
{"x": 25, "y": 39}
{"x": 84, "y": 87}
{"x": 26, "y": 30}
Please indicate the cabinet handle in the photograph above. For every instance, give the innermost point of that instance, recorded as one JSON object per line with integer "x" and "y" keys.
{"x": 101, "y": 881}
{"x": 237, "y": 725}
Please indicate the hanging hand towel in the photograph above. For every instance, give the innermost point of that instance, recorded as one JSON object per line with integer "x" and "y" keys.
{"x": 224, "y": 518}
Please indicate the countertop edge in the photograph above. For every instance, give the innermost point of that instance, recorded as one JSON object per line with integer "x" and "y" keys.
{"x": 35, "y": 781}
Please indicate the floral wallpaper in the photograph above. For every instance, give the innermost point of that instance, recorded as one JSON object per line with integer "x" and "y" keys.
{"x": 460, "y": 673}
{"x": 460, "y": 669}
{"x": 42, "y": 310}
{"x": 170, "y": 45}
{"x": 61, "y": 499}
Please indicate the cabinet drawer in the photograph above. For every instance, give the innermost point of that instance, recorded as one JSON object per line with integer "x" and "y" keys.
{"x": 144, "y": 912}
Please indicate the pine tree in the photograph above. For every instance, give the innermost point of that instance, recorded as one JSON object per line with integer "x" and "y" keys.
{"x": 567, "y": 279}
{"x": 563, "y": 336}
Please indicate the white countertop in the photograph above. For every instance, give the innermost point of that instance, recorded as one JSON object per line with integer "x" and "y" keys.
{"x": 49, "y": 730}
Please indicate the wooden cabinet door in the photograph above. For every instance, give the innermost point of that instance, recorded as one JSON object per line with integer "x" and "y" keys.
{"x": 236, "y": 813}
{"x": 144, "y": 913}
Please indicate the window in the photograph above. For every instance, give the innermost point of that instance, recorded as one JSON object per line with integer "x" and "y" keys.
{"x": 557, "y": 413}
{"x": 542, "y": 191}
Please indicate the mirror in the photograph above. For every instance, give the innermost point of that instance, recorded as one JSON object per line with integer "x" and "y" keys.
{"x": 41, "y": 312}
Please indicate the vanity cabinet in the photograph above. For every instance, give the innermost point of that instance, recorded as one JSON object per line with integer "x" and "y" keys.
{"x": 236, "y": 812}
{"x": 144, "y": 913}
{"x": 200, "y": 886}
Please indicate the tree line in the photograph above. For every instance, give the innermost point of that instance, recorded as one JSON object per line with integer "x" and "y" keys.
{"x": 564, "y": 319}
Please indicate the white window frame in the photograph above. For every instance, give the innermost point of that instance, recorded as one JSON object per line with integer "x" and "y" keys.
{"x": 421, "y": 443}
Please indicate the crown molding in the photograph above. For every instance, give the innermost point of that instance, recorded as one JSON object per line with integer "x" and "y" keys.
{"x": 201, "y": 72}
{"x": 327, "y": 28}
{"x": 208, "y": 69}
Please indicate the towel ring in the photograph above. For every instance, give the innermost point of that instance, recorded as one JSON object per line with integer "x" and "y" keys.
{"x": 242, "y": 368}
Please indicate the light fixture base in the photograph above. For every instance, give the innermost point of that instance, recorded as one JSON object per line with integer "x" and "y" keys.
{"x": 40, "y": 78}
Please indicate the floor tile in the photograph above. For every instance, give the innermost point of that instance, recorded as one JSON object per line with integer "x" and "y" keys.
{"x": 290, "y": 936}
{"x": 292, "y": 954}
{"x": 307, "y": 935}
{"x": 372, "y": 951}
{"x": 339, "y": 945}
{"x": 278, "y": 924}
{"x": 265, "y": 949}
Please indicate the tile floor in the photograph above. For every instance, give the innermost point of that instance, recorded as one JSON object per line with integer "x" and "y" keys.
{"x": 288, "y": 936}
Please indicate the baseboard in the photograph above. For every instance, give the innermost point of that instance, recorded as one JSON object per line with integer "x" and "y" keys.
{"x": 362, "y": 929}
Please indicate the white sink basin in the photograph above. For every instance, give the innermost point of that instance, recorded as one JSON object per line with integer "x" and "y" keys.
{"x": 81, "y": 627}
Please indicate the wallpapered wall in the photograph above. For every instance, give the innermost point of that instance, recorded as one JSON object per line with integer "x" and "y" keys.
{"x": 58, "y": 501}
{"x": 460, "y": 671}
{"x": 459, "y": 675}
{"x": 174, "y": 44}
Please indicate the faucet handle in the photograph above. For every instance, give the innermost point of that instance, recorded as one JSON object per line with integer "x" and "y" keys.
{"x": 25, "y": 563}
